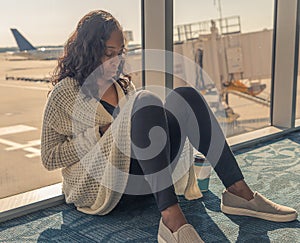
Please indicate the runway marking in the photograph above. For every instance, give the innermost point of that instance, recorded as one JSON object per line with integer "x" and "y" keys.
{"x": 15, "y": 129}
{"x": 33, "y": 152}
{"x": 23, "y": 146}
{"x": 27, "y": 147}
{"x": 24, "y": 87}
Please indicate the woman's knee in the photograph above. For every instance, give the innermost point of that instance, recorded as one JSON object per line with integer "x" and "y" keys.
{"x": 186, "y": 92}
{"x": 191, "y": 95}
{"x": 146, "y": 98}
{"x": 180, "y": 94}
{"x": 147, "y": 106}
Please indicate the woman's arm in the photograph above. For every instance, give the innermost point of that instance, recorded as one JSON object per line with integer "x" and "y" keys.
{"x": 58, "y": 150}
{"x": 60, "y": 147}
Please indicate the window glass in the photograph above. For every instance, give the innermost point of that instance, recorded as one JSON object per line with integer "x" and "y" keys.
{"x": 231, "y": 43}
{"x": 25, "y": 74}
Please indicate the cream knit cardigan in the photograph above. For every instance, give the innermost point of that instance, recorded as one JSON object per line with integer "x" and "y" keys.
{"x": 95, "y": 169}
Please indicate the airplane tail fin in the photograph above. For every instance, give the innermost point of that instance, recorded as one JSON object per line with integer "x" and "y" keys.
{"x": 23, "y": 44}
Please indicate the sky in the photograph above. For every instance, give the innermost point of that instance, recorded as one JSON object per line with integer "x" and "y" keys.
{"x": 51, "y": 22}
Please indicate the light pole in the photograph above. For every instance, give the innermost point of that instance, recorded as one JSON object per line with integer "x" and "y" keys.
{"x": 219, "y": 7}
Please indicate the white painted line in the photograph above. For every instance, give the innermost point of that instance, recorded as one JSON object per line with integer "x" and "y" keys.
{"x": 23, "y": 87}
{"x": 34, "y": 152}
{"x": 29, "y": 144}
{"x": 15, "y": 129}
{"x": 9, "y": 143}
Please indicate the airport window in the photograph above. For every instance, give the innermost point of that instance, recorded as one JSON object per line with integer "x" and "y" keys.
{"x": 24, "y": 85}
{"x": 298, "y": 91}
{"x": 32, "y": 39}
{"x": 230, "y": 43}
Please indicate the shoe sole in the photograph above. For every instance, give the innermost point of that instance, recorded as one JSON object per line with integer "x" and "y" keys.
{"x": 251, "y": 213}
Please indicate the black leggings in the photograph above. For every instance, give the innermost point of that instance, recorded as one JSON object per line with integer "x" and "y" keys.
{"x": 158, "y": 133}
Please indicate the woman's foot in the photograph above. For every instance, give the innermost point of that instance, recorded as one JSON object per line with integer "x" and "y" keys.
{"x": 173, "y": 217}
{"x": 258, "y": 207}
{"x": 239, "y": 199}
{"x": 241, "y": 189}
{"x": 185, "y": 234}
{"x": 173, "y": 227}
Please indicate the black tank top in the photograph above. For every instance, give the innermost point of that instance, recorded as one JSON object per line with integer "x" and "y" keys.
{"x": 114, "y": 111}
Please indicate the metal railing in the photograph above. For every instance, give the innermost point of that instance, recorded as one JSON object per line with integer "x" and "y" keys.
{"x": 228, "y": 25}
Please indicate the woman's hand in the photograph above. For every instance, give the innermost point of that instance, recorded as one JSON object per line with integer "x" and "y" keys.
{"x": 104, "y": 128}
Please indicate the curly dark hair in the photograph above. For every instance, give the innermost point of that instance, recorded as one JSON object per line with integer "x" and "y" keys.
{"x": 86, "y": 46}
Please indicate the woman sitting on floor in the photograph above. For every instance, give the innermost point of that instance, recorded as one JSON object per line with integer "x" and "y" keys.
{"x": 110, "y": 140}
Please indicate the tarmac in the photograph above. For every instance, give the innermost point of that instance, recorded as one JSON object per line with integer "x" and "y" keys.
{"x": 21, "y": 110}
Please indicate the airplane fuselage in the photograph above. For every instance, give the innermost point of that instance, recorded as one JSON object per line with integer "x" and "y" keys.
{"x": 41, "y": 54}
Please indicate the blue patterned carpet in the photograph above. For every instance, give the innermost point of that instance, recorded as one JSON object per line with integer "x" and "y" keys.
{"x": 273, "y": 169}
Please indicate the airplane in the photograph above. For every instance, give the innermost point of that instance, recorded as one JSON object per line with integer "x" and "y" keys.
{"x": 27, "y": 50}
